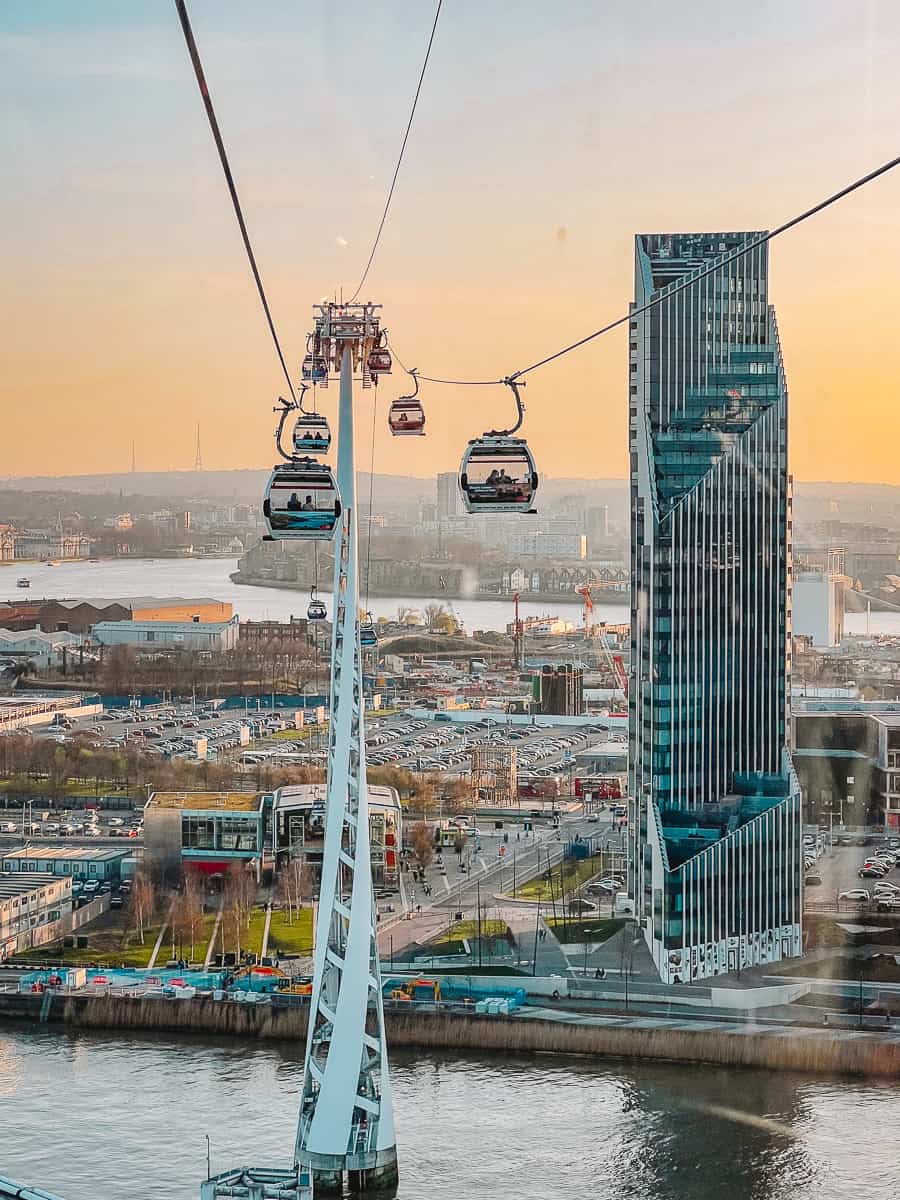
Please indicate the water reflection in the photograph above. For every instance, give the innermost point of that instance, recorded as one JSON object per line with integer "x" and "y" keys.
{"x": 95, "y": 1116}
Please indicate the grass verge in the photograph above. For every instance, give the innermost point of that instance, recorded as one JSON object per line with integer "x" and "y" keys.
{"x": 561, "y": 880}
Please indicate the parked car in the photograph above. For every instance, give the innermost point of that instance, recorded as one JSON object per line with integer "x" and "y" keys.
{"x": 854, "y": 894}
{"x": 813, "y": 881}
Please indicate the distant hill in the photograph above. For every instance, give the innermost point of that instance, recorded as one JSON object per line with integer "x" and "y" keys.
{"x": 245, "y": 486}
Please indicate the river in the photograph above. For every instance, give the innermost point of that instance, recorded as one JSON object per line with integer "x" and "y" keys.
{"x": 196, "y": 577}
{"x": 94, "y": 1117}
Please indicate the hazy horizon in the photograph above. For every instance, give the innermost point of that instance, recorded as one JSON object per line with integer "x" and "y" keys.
{"x": 540, "y": 148}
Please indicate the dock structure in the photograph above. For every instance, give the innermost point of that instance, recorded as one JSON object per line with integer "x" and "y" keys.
{"x": 259, "y": 1183}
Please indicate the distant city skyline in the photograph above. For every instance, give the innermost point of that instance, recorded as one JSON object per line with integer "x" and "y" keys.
{"x": 129, "y": 312}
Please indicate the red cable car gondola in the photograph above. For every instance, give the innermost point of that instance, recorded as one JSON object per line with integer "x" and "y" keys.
{"x": 379, "y": 361}
{"x": 406, "y": 417}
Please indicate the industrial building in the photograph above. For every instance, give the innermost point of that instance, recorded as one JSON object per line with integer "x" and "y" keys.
{"x": 715, "y": 830}
{"x": 74, "y": 862}
{"x": 34, "y": 909}
{"x": 44, "y": 650}
{"x": 149, "y": 636}
{"x": 818, "y": 607}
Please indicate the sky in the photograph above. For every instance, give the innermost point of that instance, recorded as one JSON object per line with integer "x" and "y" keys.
{"x": 546, "y": 136}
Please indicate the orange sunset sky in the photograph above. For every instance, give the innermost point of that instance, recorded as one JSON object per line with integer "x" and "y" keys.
{"x": 546, "y": 136}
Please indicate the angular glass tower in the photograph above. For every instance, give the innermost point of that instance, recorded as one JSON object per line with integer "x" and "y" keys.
{"x": 715, "y": 833}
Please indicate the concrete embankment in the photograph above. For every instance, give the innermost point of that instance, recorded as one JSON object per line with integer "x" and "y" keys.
{"x": 775, "y": 1048}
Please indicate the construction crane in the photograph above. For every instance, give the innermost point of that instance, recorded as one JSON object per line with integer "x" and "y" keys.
{"x": 587, "y": 600}
{"x": 518, "y": 635}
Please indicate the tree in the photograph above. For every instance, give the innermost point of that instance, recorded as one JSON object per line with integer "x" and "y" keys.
{"x": 434, "y": 612}
{"x": 422, "y": 843}
{"x": 237, "y": 903}
{"x": 294, "y": 886}
{"x": 142, "y": 901}
{"x": 187, "y": 913}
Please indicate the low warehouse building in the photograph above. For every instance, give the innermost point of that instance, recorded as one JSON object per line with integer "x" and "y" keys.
{"x": 152, "y": 635}
{"x": 76, "y": 862}
{"x": 34, "y": 910}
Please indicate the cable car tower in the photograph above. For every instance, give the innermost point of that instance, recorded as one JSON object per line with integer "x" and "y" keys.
{"x": 346, "y": 1128}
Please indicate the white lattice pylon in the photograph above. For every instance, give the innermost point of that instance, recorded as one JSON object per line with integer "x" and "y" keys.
{"x": 346, "y": 1116}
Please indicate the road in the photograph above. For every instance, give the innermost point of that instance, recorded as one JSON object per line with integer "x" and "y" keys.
{"x": 489, "y": 874}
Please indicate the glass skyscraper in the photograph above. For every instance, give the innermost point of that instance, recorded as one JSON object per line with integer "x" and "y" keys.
{"x": 715, "y": 852}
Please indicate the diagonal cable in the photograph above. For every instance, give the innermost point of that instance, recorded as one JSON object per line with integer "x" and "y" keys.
{"x": 682, "y": 285}
{"x": 229, "y": 179}
{"x": 390, "y": 195}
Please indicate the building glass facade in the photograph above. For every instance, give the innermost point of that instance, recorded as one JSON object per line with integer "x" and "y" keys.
{"x": 715, "y": 845}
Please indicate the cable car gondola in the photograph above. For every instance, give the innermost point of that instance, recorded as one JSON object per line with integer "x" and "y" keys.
{"x": 367, "y": 635}
{"x": 311, "y": 434}
{"x": 316, "y": 610}
{"x": 314, "y": 369}
{"x": 498, "y": 472}
{"x": 379, "y": 361}
{"x": 301, "y": 501}
{"x": 407, "y": 416}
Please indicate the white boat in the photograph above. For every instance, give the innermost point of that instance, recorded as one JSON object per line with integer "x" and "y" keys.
{"x": 23, "y": 582}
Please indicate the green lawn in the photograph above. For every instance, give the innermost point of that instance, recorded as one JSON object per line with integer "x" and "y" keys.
{"x": 469, "y": 931}
{"x": 284, "y": 937}
{"x": 578, "y": 929}
{"x": 291, "y": 938}
{"x": 109, "y": 947}
{"x": 567, "y": 877}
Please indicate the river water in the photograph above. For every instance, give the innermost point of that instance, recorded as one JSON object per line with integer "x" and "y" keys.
{"x": 97, "y": 1117}
{"x": 197, "y": 577}
{"x": 113, "y": 578}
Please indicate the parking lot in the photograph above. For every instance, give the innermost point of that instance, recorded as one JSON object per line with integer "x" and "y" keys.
{"x": 172, "y": 731}
{"x": 443, "y": 746}
{"x": 837, "y": 866}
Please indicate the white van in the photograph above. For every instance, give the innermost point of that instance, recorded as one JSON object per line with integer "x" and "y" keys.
{"x": 623, "y": 905}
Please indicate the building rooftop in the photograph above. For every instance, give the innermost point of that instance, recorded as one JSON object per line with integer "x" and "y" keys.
{"x": 160, "y": 626}
{"x": 66, "y": 853}
{"x": 19, "y": 883}
{"x": 208, "y": 801}
{"x": 300, "y": 794}
{"x": 138, "y": 601}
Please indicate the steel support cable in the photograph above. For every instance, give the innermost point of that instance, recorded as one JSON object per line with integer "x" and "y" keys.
{"x": 371, "y": 493}
{"x": 229, "y": 179}
{"x": 673, "y": 289}
{"x": 390, "y": 195}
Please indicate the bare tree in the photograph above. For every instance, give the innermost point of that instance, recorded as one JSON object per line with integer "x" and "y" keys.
{"x": 294, "y": 886}
{"x": 422, "y": 843}
{"x": 237, "y": 903}
{"x": 187, "y": 913}
{"x": 143, "y": 901}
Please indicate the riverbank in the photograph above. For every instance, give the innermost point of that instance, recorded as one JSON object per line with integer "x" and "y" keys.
{"x": 532, "y": 1030}
{"x": 426, "y": 592}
